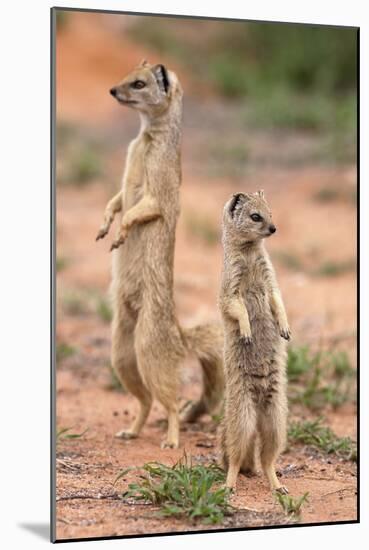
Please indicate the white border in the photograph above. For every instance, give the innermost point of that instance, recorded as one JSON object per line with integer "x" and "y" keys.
{"x": 25, "y": 233}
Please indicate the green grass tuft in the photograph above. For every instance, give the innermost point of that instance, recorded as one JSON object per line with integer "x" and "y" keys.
{"x": 64, "y": 433}
{"x": 103, "y": 309}
{"x": 313, "y": 434}
{"x": 63, "y": 351}
{"x": 183, "y": 490}
{"x": 292, "y": 506}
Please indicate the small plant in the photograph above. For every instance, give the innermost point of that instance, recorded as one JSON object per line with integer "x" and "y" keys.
{"x": 75, "y": 303}
{"x": 319, "y": 379}
{"x": 299, "y": 362}
{"x": 291, "y": 261}
{"x": 103, "y": 310}
{"x": 64, "y": 433}
{"x": 61, "y": 263}
{"x": 63, "y": 351}
{"x": 292, "y": 506}
{"x": 183, "y": 490}
{"x": 326, "y": 194}
{"x": 333, "y": 269}
{"x": 85, "y": 166}
{"x": 313, "y": 434}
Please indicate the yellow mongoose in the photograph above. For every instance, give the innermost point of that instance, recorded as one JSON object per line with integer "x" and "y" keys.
{"x": 255, "y": 327}
{"x": 147, "y": 342}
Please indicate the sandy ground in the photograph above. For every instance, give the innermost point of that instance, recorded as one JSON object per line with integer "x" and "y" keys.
{"x": 321, "y": 309}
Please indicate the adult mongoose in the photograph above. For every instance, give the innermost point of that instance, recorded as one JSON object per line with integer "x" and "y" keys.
{"x": 255, "y": 334}
{"x": 148, "y": 344}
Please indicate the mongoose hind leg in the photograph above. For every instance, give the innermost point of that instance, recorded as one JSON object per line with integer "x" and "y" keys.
{"x": 233, "y": 471}
{"x": 239, "y": 438}
{"x": 158, "y": 358}
{"x": 272, "y": 430}
{"x": 172, "y": 439}
{"x": 125, "y": 365}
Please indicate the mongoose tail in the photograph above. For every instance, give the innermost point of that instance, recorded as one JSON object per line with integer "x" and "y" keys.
{"x": 206, "y": 342}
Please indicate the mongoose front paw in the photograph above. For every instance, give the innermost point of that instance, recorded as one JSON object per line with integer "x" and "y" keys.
{"x": 286, "y": 333}
{"x": 247, "y": 340}
{"x": 102, "y": 232}
{"x": 121, "y": 237}
{"x": 116, "y": 243}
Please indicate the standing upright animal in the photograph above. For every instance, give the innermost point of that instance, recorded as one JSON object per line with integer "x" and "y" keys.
{"x": 148, "y": 344}
{"x": 256, "y": 330}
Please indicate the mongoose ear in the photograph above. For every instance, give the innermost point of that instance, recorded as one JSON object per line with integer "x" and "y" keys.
{"x": 235, "y": 200}
{"x": 162, "y": 78}
{"x": 144, "y": 63}
{"x": 261, "y": 193}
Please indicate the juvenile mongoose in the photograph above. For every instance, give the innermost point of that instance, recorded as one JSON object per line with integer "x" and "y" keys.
{"x": 147, "y": 342}
{"x": 256, "y": 330}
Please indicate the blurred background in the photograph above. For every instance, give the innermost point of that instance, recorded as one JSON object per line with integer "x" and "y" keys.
{"x": 266, "y": 106}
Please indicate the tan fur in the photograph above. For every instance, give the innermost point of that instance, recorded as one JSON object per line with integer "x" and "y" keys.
{"x": 255, "y": 327}
{"x": 148, "y": 344}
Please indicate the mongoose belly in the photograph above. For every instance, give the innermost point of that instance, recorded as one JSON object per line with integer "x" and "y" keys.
{"x": 127, "y": 269}
{"x": 260, "y": 364}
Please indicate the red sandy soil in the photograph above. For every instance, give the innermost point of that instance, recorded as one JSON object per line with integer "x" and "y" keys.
{"x": 83, "y": 399}
{"x": 321, "y": 310}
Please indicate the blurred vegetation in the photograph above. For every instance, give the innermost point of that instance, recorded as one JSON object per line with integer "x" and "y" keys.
{"x": 79, "y": 159}
{"x": 79, "y": 303}
{"x": 320, "y": 379}
{"x": 287, "y": 76}
{"x": 61, "y": 263}
{"x": 321, "y": 268}
{"x": 63, "y": 351}
{"x": 62, "y": 19}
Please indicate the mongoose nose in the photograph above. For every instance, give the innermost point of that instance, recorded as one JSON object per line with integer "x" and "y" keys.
{"x": 272, "y": 228}
{"x": 113, "y": 92}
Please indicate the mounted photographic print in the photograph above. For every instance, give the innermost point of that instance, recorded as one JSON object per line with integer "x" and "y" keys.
{"x": 204, "y": 184}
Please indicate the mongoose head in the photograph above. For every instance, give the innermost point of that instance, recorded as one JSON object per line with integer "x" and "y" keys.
{"x": 148, "y": 88}
{"x": 247, "y": 217}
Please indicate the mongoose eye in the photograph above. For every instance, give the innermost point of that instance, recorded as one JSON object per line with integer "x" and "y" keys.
{"x": 138, "y": 84}
{"x": 256, "y": 218}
